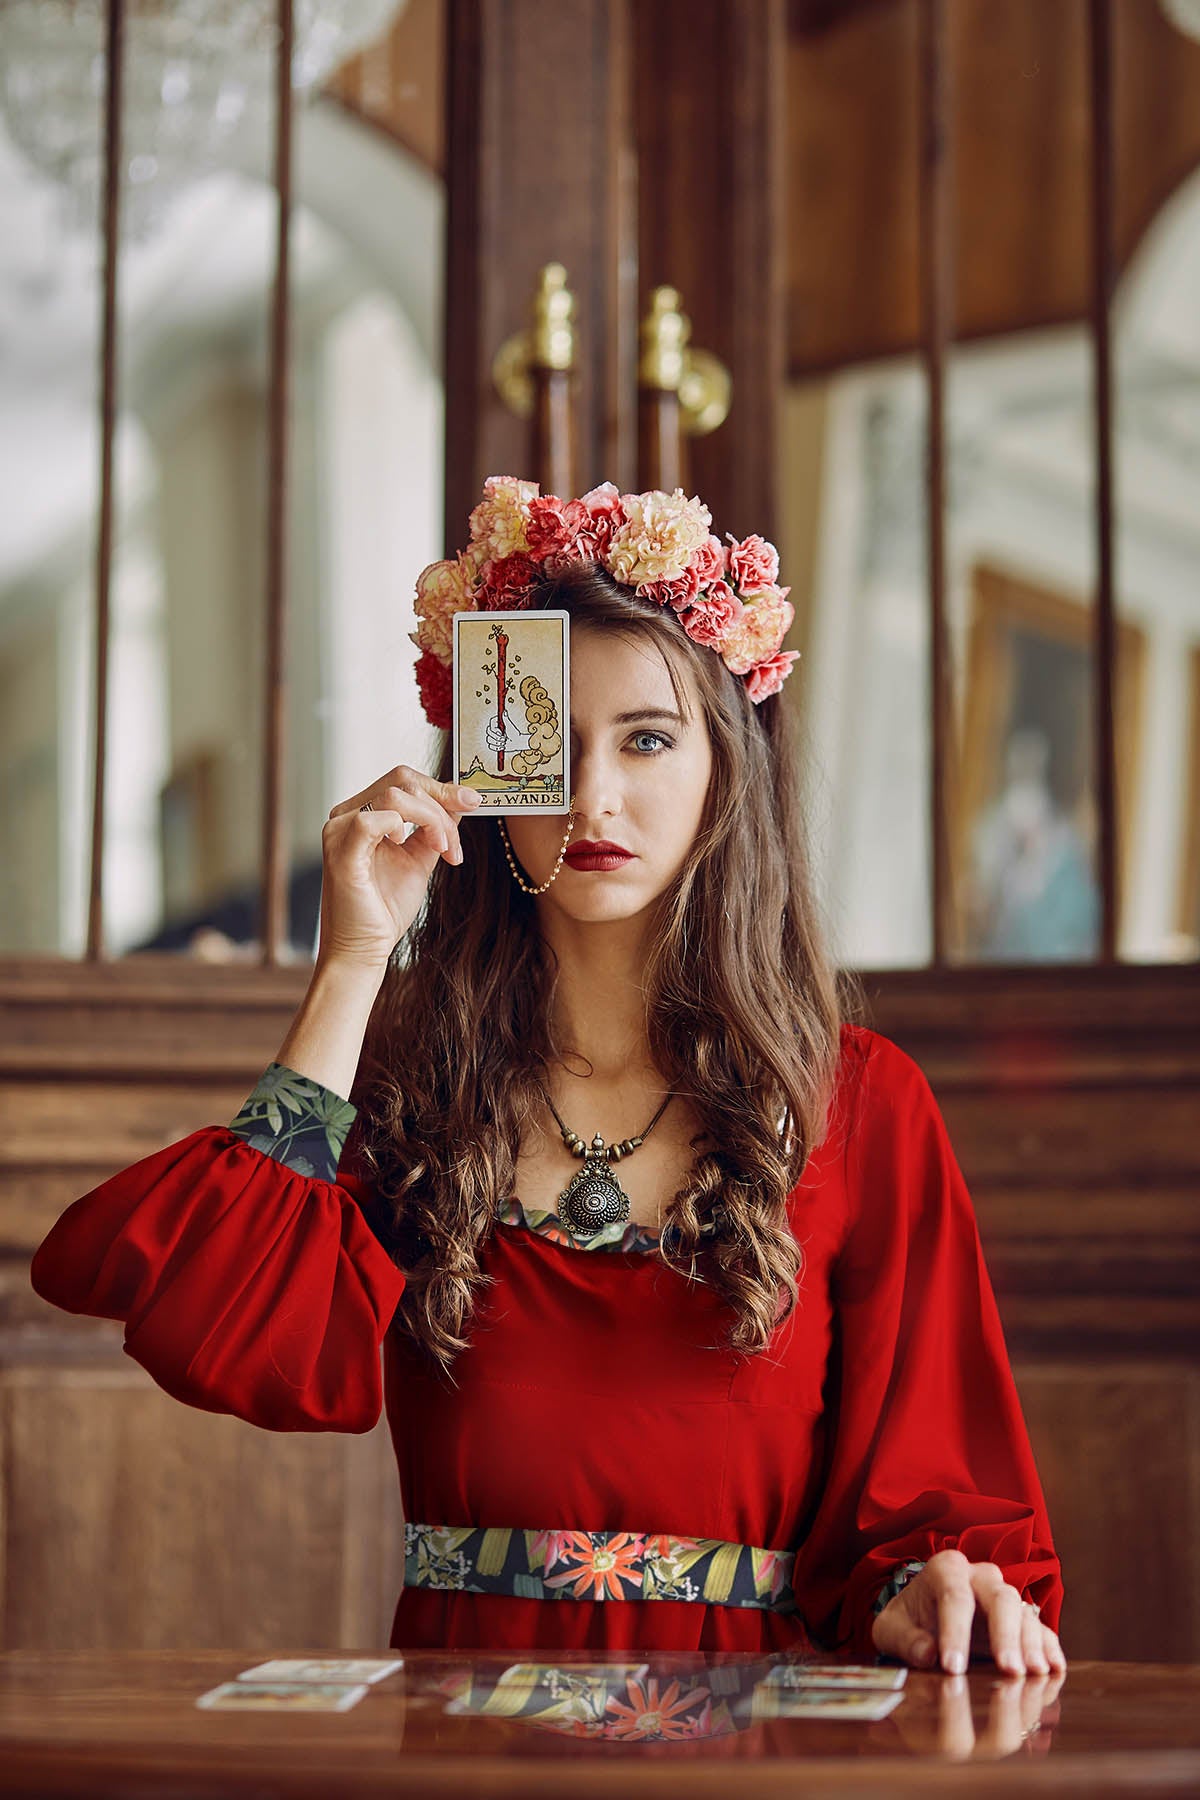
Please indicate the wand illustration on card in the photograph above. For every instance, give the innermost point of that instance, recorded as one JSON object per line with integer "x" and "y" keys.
{"x": 511, "y": 694}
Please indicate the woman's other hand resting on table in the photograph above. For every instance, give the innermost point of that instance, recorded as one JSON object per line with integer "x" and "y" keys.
{"x": 955, "y": 1608}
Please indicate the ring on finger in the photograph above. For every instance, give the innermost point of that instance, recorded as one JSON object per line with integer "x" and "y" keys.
{"x": 366, "y": 807}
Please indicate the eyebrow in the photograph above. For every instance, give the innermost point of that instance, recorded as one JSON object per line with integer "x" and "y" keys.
{"x": 648, "y": 712}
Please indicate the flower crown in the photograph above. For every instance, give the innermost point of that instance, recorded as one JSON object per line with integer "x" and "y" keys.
{"x": 725, "y": 596}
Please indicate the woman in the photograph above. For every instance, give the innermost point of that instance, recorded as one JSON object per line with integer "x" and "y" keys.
{"x": 738, "y": 1383}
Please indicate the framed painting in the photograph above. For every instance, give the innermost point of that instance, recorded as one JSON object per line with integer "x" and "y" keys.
{"x": 1026, "y": 821}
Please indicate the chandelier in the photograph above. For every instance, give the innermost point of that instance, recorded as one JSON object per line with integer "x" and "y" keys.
{"x": 196, "y": 73}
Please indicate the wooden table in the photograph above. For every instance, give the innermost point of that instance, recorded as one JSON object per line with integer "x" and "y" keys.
{"x": 88, "y": 1723}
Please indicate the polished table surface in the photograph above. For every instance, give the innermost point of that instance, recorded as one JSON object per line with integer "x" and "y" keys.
{"x": 95, "y": 1723}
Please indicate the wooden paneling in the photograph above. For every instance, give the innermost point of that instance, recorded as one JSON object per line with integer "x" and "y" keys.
{"x": 848, "y": 74}
{"x": 711, "y": 223}
{"x": 126, "y": 1519}
{"x": 1072, "y": 1098}
{"x": 397, "y": 84}
{"x": 1118, "y": 1449}
{"x": 1019, "y": 72}
{"x": 131, "y": 1521}
{"x": 539, "y": 170}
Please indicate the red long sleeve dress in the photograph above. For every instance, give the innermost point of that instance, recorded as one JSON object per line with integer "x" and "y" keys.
{"x": 881, "y": 1425}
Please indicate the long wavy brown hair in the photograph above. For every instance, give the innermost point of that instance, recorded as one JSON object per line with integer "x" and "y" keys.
{"x": 742, "y": 1008}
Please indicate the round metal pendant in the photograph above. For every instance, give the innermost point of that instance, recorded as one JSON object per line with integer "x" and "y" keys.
{"x": 593, "y": 1199}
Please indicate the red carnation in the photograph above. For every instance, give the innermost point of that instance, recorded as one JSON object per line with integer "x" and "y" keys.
{"x": 434, "y": 687}
{"x": 506, "y": 584}
{"x": 552, "y": 525}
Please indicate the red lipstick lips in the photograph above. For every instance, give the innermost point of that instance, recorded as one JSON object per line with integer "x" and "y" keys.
{"x": 588, "y": 855}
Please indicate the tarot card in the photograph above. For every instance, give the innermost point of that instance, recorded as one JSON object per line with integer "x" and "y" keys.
{"x": 577, "y": 1690}
{"x": 340, "y": 1670}
{"x": 604, "y": 1674}
{"x": 835, "y": 1675}
{"x": 770, "y": 1702}
{"x": 283, "y": 1696}
{"x": 512, "y": 691}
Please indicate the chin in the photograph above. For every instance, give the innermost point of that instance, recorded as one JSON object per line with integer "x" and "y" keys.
{"x": 598, "y": 909}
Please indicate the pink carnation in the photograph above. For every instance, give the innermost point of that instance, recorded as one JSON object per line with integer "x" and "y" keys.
{"x": 714, "y": 616}
{"x": 678, "y": 592}
{"x": 753, "y": 564}
{"x": 606, "y": 513}
{"x": 769, "y": 675}
{"x": 434, "y": 687}
{"x": 507, "y": 583}
{"x": 709, "y": 561}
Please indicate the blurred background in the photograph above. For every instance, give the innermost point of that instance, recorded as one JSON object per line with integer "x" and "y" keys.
{"x": 935, "y": 268}
{"x": 366, "y": 445}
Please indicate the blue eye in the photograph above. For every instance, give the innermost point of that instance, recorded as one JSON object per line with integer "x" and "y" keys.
{"x": 653, "y": 734}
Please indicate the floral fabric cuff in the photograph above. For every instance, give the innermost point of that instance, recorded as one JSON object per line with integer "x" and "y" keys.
{"x": 898, "y": 1579}
{"x": 297, "y": 1121}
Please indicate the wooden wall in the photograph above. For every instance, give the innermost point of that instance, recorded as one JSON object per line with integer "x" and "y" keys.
{"x": 1073, "y": 1100}
{"x": 127, "y": 1520}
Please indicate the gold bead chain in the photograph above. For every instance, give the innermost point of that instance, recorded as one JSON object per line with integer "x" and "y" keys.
{"x": 512, "y": 861}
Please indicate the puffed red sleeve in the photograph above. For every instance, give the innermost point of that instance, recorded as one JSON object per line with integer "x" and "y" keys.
{"x": 246, "y": 1286}
{"x": 928, "y": 1446}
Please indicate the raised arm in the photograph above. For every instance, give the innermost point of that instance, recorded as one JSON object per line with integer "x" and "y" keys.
{"x": 241, "y": 1262}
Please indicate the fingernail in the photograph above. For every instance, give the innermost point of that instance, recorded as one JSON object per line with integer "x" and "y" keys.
{"x": 955, "y": 1662}
{"x": 469, "y": 797}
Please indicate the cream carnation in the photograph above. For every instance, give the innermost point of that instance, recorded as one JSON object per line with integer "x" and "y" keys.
{"x": 436, "y": 634}
{"x": 661, "y": 534}
{"x": 498, "y": 523}
{"x": 760, "y": 631}
{"x": 443, "y": 589}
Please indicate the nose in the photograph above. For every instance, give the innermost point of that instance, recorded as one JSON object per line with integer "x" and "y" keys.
{"x": 596, "y": 786}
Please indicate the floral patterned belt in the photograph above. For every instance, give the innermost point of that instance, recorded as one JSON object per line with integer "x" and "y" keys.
{"x": 596, "y": 1565}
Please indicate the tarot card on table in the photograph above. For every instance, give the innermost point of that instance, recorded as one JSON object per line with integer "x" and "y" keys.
{"x": 323, "y": 1669}
{"x": 283, "y": 1696}
{"x": 512, "y": 692}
